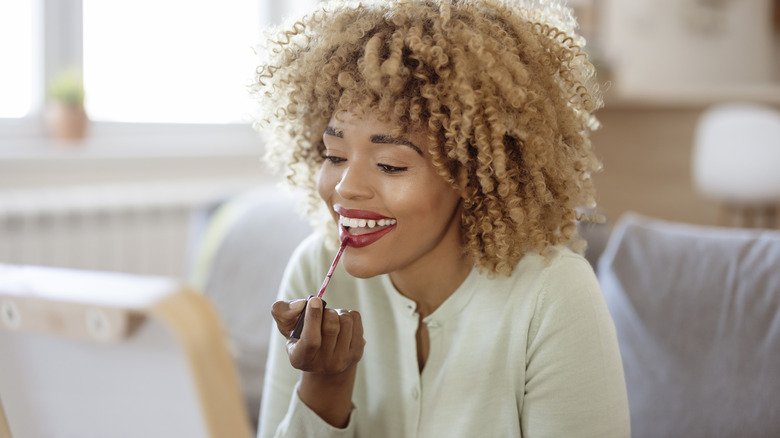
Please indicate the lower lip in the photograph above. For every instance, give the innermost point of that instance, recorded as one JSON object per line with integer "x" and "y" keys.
{"x": 363, "y": 239}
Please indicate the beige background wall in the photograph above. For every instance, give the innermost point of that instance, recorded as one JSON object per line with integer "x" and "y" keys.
{"x": 662, "y": 63}
{"x": 646, "y": 152}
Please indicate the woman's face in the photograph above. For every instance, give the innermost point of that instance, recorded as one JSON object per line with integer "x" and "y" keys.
{"x": 396, "y": 212}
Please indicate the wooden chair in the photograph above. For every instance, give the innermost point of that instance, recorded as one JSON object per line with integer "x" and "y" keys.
{"x": 95, "y": 354}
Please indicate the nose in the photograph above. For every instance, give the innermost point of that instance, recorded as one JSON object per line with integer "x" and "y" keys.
{"x": 354, "y": 183}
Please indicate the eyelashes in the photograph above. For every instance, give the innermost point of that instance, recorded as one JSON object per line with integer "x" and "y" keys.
{"x": 333, "y": 159}
{"x": 384, "y": 168}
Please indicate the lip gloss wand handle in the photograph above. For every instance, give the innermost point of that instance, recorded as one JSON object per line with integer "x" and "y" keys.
{"x": 332, "y": 268}
{"x": 296, "y": 333}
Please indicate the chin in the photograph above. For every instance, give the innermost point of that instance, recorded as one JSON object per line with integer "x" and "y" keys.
{"x": 360, "y": 270}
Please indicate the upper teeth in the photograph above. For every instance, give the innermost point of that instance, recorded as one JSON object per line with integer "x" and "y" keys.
{"x": 361, "y": 223}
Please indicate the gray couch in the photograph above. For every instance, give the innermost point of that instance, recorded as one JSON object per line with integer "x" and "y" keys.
{"x": 697, "y": 312}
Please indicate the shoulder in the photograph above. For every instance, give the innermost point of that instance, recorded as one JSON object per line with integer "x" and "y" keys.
{"x": 554, "y": 260}
{"x": 557, "y": 272}
{"x": 567, "y": 292}
{"x": 558, "y": 285}
{"x": 540, "y": 286}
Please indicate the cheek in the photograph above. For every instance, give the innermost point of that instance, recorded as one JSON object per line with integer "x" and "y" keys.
{"x": 446, "y": 203}
{"x": 325, "y": 184}
{"x": 447, "y": 198}
{"x": 435, "y": 203}
{"x": 404, "y": 192}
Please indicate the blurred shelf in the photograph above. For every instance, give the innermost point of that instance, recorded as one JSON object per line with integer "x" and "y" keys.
{"x": 690, "y": 95}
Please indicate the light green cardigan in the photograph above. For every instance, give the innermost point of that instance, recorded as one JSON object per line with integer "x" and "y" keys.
{"x": 532, "y": 355}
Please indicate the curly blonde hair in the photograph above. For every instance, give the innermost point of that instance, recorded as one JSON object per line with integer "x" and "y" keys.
{"x": 503, "y": 88}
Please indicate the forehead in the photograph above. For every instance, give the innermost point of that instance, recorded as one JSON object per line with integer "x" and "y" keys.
{"x": 375, "y": 122}
{"x": 350, "y": 118}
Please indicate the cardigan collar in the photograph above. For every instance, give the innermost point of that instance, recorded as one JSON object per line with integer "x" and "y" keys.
{"x": 448, "y": 310}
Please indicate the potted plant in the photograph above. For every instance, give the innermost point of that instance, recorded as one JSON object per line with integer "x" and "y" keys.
{"x": 66, "y": 117}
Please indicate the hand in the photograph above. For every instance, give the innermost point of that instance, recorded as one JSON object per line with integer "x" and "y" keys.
{"x": 331, "y": 342}
{"x": 330, "y": 346}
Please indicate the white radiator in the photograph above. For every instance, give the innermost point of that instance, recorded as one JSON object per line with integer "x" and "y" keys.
{"x": 134, "y": 228}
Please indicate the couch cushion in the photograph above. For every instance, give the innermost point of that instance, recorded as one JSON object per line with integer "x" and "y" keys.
{"x": 697, "y": 311}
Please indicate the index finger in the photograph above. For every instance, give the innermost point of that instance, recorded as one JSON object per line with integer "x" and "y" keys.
{"x": 285, "y": 313}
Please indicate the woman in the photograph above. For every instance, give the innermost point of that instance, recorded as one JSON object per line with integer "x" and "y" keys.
{"x": 449, "y": 141}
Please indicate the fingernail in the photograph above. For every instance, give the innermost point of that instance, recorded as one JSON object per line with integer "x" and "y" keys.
{"x": 297, "y": 305}
{"x": 316, "y": 303}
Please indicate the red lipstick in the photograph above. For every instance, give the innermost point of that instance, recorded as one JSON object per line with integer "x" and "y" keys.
{"x": 362, "y": 240}
{"x": 357, "y": 214}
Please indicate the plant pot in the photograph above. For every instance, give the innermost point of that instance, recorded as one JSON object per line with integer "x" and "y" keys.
{"x": 66, "y": 122}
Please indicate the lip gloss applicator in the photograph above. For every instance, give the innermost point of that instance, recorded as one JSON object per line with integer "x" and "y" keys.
{"x": 296, "y": 333}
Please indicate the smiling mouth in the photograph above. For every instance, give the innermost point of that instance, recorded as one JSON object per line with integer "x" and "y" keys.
{"x": 359, "y": 227}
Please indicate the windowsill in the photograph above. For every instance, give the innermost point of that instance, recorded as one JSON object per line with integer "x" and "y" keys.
{"x": 119, "y": 154}
{"x": 118, "y": 141}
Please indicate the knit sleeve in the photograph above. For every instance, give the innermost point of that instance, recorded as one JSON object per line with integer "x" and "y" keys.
{"x": 574, "y": 375}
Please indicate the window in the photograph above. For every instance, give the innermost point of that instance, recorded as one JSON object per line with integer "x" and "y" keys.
{"x": 153, "y": 70}
{"x": 176, "y": 61}
{"x": 16, "y": 49}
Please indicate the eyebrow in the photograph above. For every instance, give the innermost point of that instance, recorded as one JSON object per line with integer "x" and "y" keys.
{"x": 386, "y": 139}
{"x": 377, "y": 138}
{"x": 332, "y": 131}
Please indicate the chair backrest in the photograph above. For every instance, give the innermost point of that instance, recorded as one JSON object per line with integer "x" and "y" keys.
{"x": 245, "y": 249}
{"x": 697, "y": 312}
{"x": 96, "y": 354}
{"x": 736, "y": 153}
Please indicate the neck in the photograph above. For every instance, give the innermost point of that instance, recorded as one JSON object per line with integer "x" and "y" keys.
{"x": 430, "y": 281}
{"x": 430, "y": 291}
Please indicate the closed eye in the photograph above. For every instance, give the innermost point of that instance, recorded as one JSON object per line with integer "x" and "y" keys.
{"x": 333, "y": 159}
{"x": 386, "y": 168}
